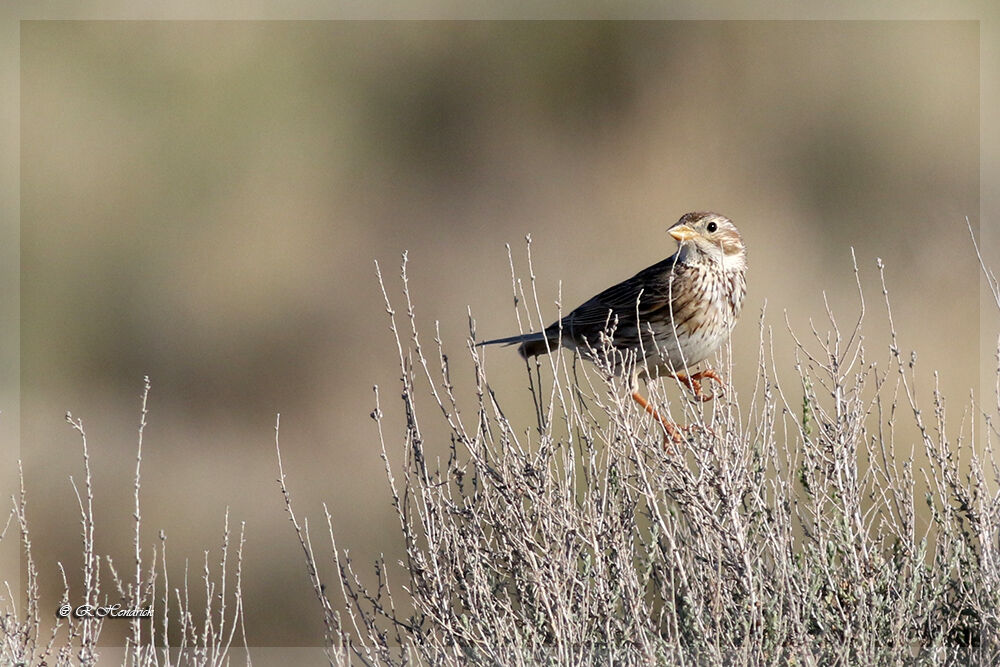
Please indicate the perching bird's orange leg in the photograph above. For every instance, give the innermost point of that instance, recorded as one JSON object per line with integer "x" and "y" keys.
{"x": 694, "y": 385}
{"x": 670, "y": 427}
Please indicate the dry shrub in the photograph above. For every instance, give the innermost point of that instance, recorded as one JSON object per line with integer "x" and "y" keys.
{"x": 786, "y": 529}
{"x": 176, "y": 632}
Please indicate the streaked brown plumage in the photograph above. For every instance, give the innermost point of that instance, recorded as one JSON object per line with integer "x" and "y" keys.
{"x": 683, "y": 308}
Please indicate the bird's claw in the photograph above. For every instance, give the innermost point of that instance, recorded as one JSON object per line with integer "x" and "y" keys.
{"x": 693, "y": 383}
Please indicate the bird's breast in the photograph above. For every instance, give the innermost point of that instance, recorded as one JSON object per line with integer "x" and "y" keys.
{"x": 704, "y": 304}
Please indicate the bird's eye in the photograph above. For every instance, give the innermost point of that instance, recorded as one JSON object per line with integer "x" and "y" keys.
{"x": 712, "y": 227}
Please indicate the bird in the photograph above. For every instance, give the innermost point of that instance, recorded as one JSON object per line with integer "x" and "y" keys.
{"x": 665, "y": 319}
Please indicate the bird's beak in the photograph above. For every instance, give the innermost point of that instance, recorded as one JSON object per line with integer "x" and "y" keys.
{"x": 682, "y": 233}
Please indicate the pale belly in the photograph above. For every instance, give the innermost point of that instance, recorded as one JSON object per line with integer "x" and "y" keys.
{"x": 678, "y": 350}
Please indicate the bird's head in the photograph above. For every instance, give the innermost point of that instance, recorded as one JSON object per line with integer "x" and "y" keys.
{"x": 712, "y": 237}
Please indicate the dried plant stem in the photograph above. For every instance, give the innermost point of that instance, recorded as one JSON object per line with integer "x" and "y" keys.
{"x": 784, "y": 530}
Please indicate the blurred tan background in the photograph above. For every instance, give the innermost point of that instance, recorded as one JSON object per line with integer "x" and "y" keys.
{"x": 203, "y": 202}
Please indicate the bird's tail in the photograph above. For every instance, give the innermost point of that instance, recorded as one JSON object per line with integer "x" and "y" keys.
{"x": 532, "y": 344}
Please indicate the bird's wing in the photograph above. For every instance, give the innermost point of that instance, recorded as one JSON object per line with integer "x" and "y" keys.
{"x": 636, "y": 298}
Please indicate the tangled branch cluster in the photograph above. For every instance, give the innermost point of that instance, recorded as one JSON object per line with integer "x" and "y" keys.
{"x": 790, "y": 529}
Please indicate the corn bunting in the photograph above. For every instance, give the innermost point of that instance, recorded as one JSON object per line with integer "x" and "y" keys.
{"x": 665, "y": 319}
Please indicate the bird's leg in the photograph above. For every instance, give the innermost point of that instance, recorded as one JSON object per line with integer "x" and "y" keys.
{"x": 672, "y": 431}
{"x": 692, "y": 383}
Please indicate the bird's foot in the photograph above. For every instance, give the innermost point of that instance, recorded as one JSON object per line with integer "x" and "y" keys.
{"x": 673, "y": 432}
{"x": 693, "y": 383}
